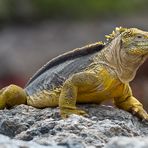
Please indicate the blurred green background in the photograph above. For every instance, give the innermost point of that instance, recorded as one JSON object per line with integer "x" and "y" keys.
{"x": 34, "y": 31}
{"x": 33, "y": 10}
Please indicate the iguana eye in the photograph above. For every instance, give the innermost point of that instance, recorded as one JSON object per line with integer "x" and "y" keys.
{"x": 139, "y": 36}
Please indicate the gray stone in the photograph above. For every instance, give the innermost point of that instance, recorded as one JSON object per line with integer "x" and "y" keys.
{"x": 46, "y": 128}
{"x": 6, "y": 142}
{"x": 126, "y": 142}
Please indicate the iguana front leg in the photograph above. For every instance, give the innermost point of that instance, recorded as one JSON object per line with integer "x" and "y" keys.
{"x": 131, "y": 104}
{"x": 83, "y": 81}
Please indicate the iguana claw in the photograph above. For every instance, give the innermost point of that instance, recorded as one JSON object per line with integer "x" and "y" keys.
{"x": 66, "y": 112}
{"x": 140, "y": 113}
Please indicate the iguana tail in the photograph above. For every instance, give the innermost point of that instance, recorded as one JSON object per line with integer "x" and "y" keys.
{"x": 12, "y": 95}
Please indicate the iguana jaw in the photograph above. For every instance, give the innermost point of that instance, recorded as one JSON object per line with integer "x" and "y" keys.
{"x": 143, "y": 46}
{"x": 140, "y": 49}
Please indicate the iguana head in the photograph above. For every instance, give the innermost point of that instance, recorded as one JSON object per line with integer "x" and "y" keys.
{"x": 134, "y": 41}
{"x": 127, "y": 50}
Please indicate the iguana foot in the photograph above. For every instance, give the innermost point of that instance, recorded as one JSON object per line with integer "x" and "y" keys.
{"x": 65, "y": 112}
{"x": 139, "y": 112}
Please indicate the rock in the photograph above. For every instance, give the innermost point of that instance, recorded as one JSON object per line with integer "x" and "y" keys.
{"x": 45, "y": 126}
{"x": 126, "y": 142}
{"x": 6, "y": 142}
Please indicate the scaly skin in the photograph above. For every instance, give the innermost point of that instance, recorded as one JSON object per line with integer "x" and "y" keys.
{"x": 106, "y": 76}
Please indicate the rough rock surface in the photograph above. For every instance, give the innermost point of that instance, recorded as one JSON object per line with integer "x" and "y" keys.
{"x": 125, "y": 142}
{"x": 6, "y": 142}
{"x": 44, "y": 127}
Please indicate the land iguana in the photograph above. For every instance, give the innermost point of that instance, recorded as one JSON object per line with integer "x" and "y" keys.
{"x": 90, "y": 74}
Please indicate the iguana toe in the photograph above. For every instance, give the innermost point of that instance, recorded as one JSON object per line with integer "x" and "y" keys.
{"x": 66, "y": 112}
{"x": 140, "y": 113}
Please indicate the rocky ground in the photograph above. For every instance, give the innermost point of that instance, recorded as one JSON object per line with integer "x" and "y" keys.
{"x": 25, "y": 126}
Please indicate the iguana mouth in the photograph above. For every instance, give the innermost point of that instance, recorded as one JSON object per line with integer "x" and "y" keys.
{"x": 143, "y": 44}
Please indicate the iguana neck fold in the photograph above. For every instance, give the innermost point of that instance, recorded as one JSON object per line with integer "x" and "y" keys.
{"x": 121, "y": 62}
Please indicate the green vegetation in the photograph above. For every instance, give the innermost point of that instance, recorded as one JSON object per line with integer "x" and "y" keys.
{"x": 11, "y": 10}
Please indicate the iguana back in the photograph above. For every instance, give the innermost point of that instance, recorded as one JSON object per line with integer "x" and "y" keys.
{"x": 56, "y": 71}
